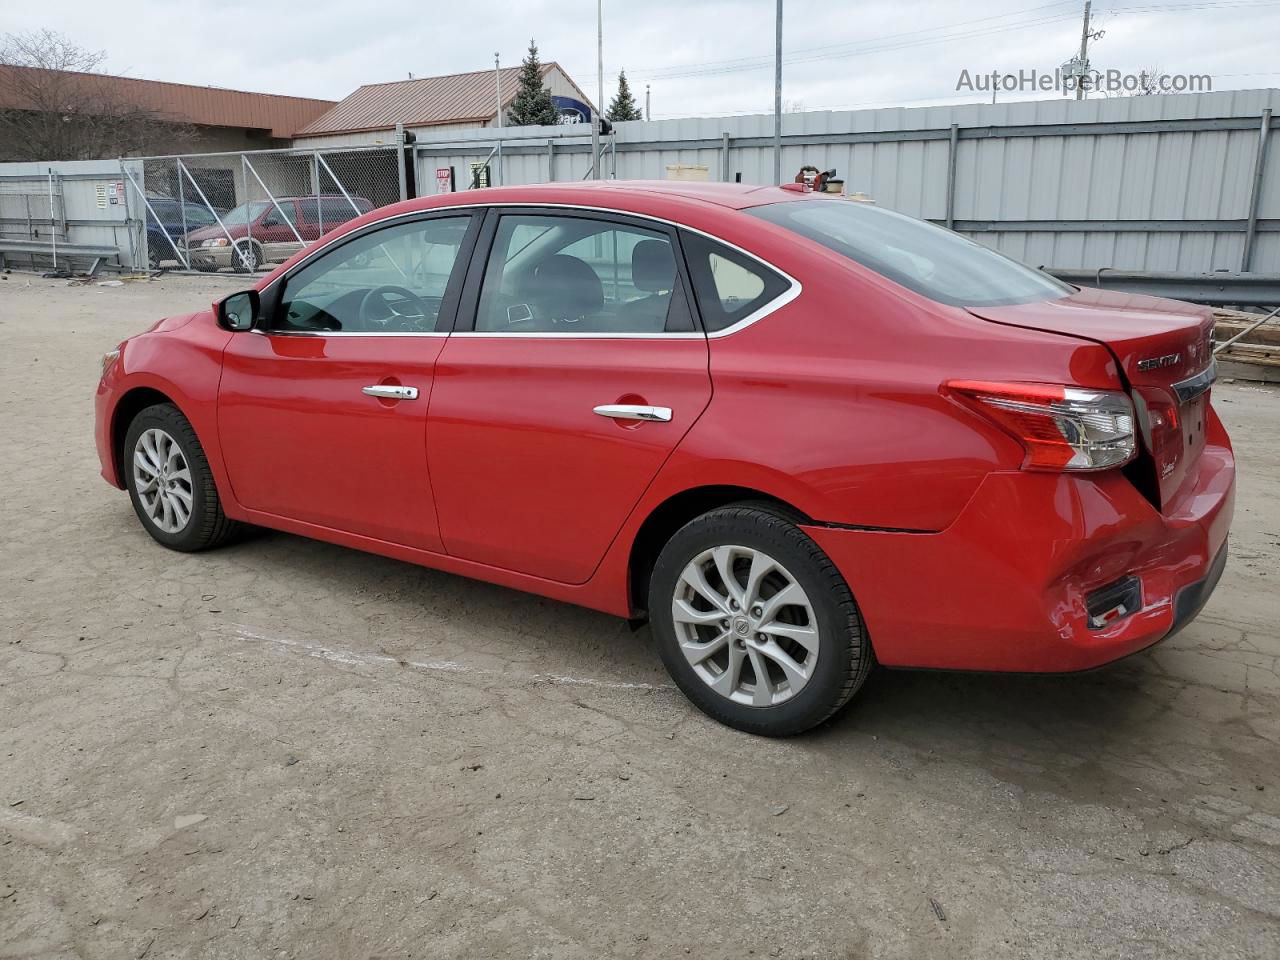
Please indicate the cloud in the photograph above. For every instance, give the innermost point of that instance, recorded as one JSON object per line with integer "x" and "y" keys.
{"x": 700, "y": 57}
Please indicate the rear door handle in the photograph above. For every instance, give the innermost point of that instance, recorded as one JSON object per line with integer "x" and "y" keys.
{"x": 631, "y": 411}
{"x": 391, "y": 392}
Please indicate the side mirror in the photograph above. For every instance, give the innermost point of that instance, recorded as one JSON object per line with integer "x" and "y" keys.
{"x": 239, "y": 311}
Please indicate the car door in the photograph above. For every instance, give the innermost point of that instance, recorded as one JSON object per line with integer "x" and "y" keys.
{"x": 322, "y": 411}
{"x": 575, "y": 370}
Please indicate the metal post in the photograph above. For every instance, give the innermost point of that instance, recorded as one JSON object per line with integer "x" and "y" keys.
{"x": 646, "y": 103}
{"x": 152, "y": 211}
{"x": 724, "y": 156}
{"x": 953, "y": 142}
{"x": 53, "y": 222}
{"x": 404, "y": 186}
{"x": 595, "y": 114}
{"x": 613, "y": 154}
{"x": 551, "y": 161}
{"x": 1084, "y": 52}
{"x": 777, "y": 100}
{"x": 1255, "y": 194}
{"x": 497, "y": 78}
{"x": 315, "y": 182}
{"x": 248, "y": 220}
{"x": 182, "y": 204}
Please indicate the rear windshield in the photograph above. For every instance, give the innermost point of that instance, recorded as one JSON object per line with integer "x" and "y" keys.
{"x": 934, "y": 262}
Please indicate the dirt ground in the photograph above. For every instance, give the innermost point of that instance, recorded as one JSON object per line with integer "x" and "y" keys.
{"x": 288, "y": 749}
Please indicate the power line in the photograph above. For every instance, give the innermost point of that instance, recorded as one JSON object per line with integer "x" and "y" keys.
{"x": 703, "y": 70}
{"x": 899, "y": 41}
{"x": 890, "y": 41}
{"x": 835, "y": 47}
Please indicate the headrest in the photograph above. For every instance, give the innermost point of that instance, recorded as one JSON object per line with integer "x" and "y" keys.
{"x": 652, "y": 266}
{"x": 565, "y": 288}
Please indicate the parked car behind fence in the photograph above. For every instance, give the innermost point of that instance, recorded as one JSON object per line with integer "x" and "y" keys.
{"x": 177, "y": 220}
{"x": 269, "y": 231}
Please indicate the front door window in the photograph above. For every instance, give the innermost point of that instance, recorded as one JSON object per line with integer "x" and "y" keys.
{"x": 392, "y": 280}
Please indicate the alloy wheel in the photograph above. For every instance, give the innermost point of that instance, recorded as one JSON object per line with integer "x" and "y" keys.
{"x": 162, "y": 478}
{"x": 745, "y": 625}
{"x": 246, "y": 255}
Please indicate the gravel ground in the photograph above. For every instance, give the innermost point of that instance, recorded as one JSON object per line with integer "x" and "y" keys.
{"x": 289, "y": 749}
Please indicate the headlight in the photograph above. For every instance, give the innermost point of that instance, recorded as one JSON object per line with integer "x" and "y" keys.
{"x": 108, "y": 358}
{"x": 215, "y": 242}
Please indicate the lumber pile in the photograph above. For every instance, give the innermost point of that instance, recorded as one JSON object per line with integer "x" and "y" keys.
{"x": 1257, "y": 357}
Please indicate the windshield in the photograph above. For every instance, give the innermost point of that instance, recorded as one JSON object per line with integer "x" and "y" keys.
{"x": 934, "y": 262}
{"x": 246, "y": 212}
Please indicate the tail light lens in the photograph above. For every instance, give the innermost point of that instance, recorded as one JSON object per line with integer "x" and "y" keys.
{"x": 1062, "y": 428}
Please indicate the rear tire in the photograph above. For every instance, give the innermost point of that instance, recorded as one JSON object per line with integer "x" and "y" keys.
{"x": 787, "y": 613}
{"x": 170, "y": 483}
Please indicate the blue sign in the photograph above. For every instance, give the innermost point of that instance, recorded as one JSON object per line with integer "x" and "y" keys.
{"x": 571, "y": 110}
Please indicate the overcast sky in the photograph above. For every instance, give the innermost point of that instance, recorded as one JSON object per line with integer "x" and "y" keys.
{"x": 702, "y": 57}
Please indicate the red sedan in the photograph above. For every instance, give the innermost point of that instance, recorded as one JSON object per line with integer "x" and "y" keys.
{"x": 797, "y": 433}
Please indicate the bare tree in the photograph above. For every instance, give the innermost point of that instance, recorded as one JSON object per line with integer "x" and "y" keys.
{"x": 55, "y": 104}
{"x": 1149, "y": 82}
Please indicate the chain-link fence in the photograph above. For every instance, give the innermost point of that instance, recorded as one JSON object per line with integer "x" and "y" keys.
{"x": 246, "y": 211}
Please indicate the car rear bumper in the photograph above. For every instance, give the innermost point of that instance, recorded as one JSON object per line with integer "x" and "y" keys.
{"x": 1006, "y": 586}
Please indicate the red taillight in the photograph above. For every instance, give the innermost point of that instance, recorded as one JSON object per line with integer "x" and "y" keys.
{"x": 1061, "y": 427}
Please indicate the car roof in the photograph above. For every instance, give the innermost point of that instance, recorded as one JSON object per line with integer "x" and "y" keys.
{"x": 622, "y": 193}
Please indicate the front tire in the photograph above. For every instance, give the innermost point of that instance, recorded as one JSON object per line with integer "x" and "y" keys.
{"x": 246, "y": 257}
{"x": 170, "y": 483}
{"x": 755, "y": 624}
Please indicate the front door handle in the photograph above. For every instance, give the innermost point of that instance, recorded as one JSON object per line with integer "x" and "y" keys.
{"x": 632, "y": 411}
{"x": 391, "y": 392}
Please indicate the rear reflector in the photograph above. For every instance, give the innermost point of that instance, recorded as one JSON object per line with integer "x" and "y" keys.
{"x": 1114, "y": 602}
{"x": 1062, "y": 428}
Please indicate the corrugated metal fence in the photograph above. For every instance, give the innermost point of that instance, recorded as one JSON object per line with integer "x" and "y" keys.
{"x": 77, "y": 207}
{"x": 1179, "y": 183}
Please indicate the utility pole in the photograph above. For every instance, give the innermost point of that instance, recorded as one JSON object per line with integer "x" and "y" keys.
{"x": 595, "y": 114}
{"x": 497, "y": 81}
{"x": 777, "y": 100}
{"x": 646, "y": 102}
{"x": 1084, "y": 52}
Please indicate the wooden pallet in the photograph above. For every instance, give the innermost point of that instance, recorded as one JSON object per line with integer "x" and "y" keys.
{"x": 1256, "y": 359}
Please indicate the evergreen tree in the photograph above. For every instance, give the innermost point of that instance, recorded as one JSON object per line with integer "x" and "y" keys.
{"x": 532, "y": 105}
{"x": 623, "y": 106}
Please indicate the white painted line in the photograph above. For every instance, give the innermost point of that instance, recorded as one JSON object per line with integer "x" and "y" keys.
{"x": 353, "y": 658}
{"x": 37, "y": 830}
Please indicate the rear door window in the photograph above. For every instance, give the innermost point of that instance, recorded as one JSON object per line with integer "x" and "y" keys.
{"x": 580, "y": 275}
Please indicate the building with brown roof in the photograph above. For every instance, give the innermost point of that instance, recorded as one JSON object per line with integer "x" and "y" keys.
{"x": 178, "y": 117}
{"x": 459, "y": 101}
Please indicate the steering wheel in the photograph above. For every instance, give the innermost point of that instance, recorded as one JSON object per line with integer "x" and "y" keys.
{"x": 385, "y": 300}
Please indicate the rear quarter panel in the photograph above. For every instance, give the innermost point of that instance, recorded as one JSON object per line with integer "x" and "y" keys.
{"x": 834, "y": 402}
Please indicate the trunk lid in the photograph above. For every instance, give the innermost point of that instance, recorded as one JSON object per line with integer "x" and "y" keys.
{"x": 1164, "y": 349}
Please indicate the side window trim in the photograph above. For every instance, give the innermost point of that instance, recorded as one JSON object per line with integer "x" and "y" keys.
{"x": 272, "y": 294}
{"x": 470, "y": 302}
